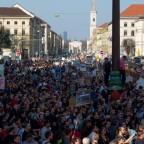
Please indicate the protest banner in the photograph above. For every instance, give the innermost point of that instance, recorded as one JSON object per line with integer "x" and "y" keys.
{"x": 1, "y": 70}
{"x": 83, "y": 97}
{"x": 2, "y": 83}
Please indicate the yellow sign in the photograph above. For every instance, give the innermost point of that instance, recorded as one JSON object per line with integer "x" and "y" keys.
{"x": 138, "y": 52}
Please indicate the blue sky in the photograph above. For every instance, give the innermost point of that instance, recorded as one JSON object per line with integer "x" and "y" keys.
{"x": 74, "y": 15}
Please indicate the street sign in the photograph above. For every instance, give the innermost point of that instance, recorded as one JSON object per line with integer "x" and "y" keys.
{"x": 18, "y": 52}
{"x": 101, "y": 52}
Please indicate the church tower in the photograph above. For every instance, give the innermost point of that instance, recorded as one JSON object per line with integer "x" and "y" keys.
{"x": 93, "y": 15}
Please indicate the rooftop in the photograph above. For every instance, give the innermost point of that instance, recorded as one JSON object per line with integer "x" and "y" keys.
{"x": 12, "y": 12}
{"x": 134, "y": 10}
{"x": 103, "y": 25}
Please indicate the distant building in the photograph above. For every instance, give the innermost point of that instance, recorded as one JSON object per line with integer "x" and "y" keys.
{"x": 131, "y": 27}
{"x": 64, "y": 35}
{"x": 30, "y": 33}
{"x": 75, "y": 47}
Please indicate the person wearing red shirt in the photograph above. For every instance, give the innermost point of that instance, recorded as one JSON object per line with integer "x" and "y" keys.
{"x": 115, "y": 95}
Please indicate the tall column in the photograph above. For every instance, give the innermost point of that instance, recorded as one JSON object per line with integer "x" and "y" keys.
{"x": 115, "y": 35}
{"x": 115, "y": 76}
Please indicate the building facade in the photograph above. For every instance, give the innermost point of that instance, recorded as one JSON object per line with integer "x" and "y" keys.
{"x": 30, "y": 33}
{"x": 93, "y": 22}
{"x": 75, "y": 47}
{"x": 131, "y": 27}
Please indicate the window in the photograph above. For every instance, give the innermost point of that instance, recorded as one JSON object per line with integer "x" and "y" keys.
{"x": 23, "y": 31}
{"x": 132, "y": 33}
{"x": 93, "y": 19}
{"x": 125, "y": 24}
{"x": 23, "y": 22}
{"x": 132, "y": 24}
{"x": 125, "y": 33}
{"x": 15, "y": 22}
{"x": 15, "y": 32}
{"x": 8, "y": 22}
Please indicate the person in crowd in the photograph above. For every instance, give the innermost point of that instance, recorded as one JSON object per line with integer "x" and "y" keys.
{"x": 35, "y": 103}
{"x": 29, "y": 139}
{"x": 17, "y": 139}
{"x": 107, "y": 70}
{"x": 93, "y": 133}
{"x": 75, "y": 141}
{"x": 86, "y": 140}
{"x": 96, "y": 139}
{"x": 115, "y": 95}
{"x": 49, "y": 137}
{"x": 140, "y": 139}
{"x": 122, "y": 69}
{"x": 66, "y": 138}
{"x": 44, "y": 129}
{"x": 26, "y": 131}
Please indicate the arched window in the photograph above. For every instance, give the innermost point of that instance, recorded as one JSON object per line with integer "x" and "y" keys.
{"x": 125, "y": 33}
{"x": 132, "y": 33}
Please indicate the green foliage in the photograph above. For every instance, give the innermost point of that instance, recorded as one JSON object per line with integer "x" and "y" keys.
{"x": 5, "y": 39}
{"x": 129, "y": 46}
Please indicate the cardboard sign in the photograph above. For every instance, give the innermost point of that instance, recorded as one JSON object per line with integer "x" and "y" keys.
{"x": 140, "y": 82}
{"x": 1, "y": 70}
{"x": 129, "y": 79}
{"x": 72, "y": 102}
{"x": 83, "y": 97}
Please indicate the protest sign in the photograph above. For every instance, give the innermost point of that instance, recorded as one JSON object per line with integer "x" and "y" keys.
{"x": 82, "y": 69}
{"x": 76, "y": 64}
{"x": 140, "y": 82}
{"x": 1, "y": 70}
{"x": 2, "y": 82}
{"x": 129, "y": 79}
{"x": 72, "y": 102}
{"x": 82, "y": 97}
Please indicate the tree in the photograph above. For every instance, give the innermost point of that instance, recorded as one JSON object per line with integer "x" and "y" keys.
{"x": 84, "y": 45}
{"x": 129, "y": 46}
{"x": 5, "y": 39}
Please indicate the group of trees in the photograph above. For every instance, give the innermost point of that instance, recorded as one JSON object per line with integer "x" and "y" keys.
{"x": 5, "y": 39}
{"x": 129, "y": 46}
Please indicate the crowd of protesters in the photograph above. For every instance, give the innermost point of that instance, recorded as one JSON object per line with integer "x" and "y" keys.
{"x": 34, "y": 108}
